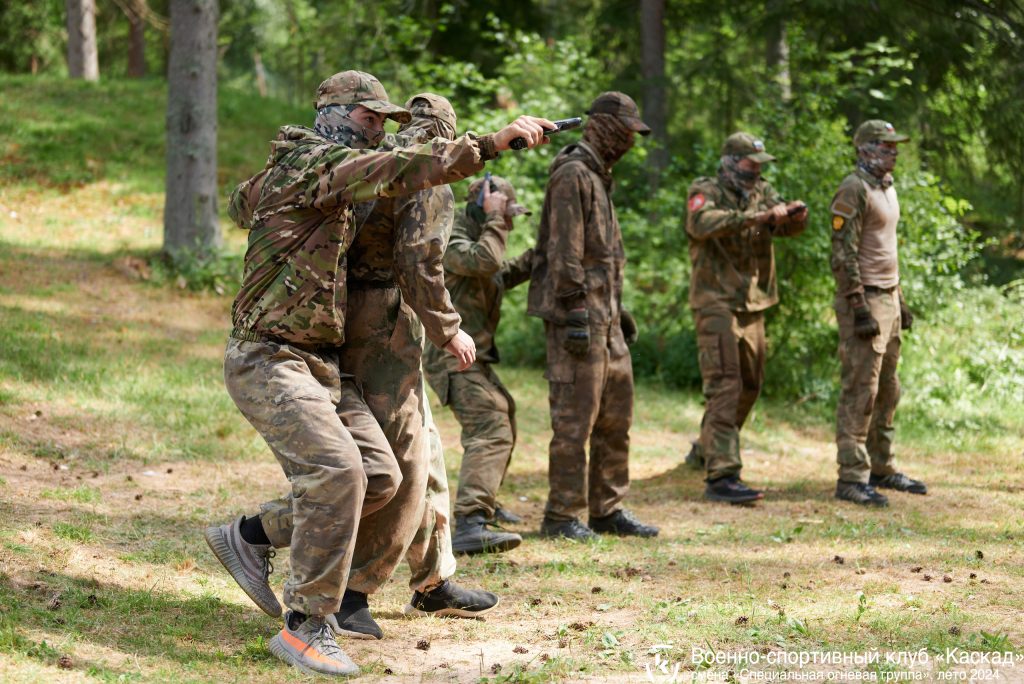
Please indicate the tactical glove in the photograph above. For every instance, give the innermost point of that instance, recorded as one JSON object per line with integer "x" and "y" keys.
{"x": 577, "y": 340}
{"x": 906, "y": 318}
{"x": 628, "y": 325}
{"x": 864, "y": 324}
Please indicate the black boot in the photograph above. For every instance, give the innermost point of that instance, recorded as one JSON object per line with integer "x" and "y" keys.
{"x": 730, "y": 489}
{"x": 899, "y": 482}
{"x": 622, "y": 523}
{"x": 472, "y": 536}
{"x": 861, "y": 494}
{"x": 568, "y": 529}
{"x": 450, "y": 600}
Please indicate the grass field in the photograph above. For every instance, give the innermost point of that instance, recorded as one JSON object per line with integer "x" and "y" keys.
{"x": 118, "y": 444}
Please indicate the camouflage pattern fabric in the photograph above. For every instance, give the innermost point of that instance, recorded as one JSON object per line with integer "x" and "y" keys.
{"x": 579, "y": 257}
{"x": 299, "y": 214}
{"x": 330, "y": 448}
{"x": 733, "y": 265}
{"x": 591, "y": 399}
{"x": 731, "y": 347}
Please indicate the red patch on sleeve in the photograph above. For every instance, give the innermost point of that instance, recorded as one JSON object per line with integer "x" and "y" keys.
{"x": 696, "y": 202}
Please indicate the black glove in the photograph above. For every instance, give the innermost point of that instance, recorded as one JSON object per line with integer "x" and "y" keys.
{"x": 628, "y": 325}
{"x": 577, "y": 341}
{"x": 906, "y": 318}
{"x": 864, "y": 324}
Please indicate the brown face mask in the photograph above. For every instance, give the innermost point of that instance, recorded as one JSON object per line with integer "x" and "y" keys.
{"x": 609, "y": 136}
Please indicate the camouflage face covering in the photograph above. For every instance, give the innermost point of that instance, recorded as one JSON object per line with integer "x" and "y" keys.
{"x": 433, "y": 128}
{"x": 878, "y": 160}
{"x": 609, "y": 136}
{"x": 333, "y": 123}
{"x": 732, "y": 175}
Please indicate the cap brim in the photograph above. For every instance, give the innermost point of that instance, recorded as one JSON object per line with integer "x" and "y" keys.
{"x": 391, "y": 111}
{"x": 894, "y": 137}
{"x": 637, "y": 125}
{"x": 761, "y": 157}
{"x": 519, "y": 210}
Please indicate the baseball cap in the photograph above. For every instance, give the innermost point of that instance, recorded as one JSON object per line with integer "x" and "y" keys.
{"x": 436, "y": 106}
{"x": 620, "y": 105}
{"x": 876, "y": 129}
{"x": 359, "y": 87}
{"x": 745, "y": 145}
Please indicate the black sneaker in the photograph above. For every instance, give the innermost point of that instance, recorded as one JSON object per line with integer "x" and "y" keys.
{"x": 449, "y": 599}
{"x": 899, "y": 482}
{"x": 622, "y": 523}
{"x": 506, "y": 517}
{"x": 472, "y": 536}
{"x": 731, "y": 489}
{"x": 861, "y": 494}
{"x": 568, "y": 529}
{"x": 354, "y": 620}
{"x": 695, "y": 459}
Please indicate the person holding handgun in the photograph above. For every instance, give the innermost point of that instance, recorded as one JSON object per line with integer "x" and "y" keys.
{"x": 731, "y": 221}
{"x": 576, "y": 287}
{"x": 477, "y": 275}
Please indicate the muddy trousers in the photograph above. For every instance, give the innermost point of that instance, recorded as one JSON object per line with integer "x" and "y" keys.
{"x": 731, "y": 347}
{"x": 870, "y": 390}
{"x": 591, "y": 400}
{"x": 332, "y": 451}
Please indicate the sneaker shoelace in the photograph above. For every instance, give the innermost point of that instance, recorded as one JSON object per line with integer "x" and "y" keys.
{"x": 268, "y": 566}
{"x": 322, "y": 639}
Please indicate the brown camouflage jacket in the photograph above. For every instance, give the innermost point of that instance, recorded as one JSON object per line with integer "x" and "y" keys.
{"x": 733, "y": 266}
{"x": 401, "y": 241}
{"x": 298, "y": 210}
{"x": 579, "y": 257}
{"x": 477, "y": 275}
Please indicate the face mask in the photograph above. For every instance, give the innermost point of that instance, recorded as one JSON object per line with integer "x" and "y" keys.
{"x": 333, "y": 123}
{"x": 428, "y": 125}
{"x": 877, "y": 159}
{"x": 732, "y": 175}
{"x": 609, "y": 136}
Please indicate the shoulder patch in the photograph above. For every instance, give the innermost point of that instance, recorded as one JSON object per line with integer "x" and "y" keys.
{"x": 843, "y": 209}
{"x": 696, "y": 202}
{"x": 838, "y": 222}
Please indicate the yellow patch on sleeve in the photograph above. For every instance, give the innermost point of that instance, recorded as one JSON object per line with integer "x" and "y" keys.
{"x": 838, "y": 222}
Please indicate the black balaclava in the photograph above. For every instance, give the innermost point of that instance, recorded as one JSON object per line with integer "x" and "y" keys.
{"x": 609, "y": 136}
{"x": 732, "y": 175}
{"x": 878, "y": 160}
{"x": 333, "y": 123}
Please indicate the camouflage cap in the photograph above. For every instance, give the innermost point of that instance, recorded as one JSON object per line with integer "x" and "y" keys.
{"x": 359, "y": 87}
{"x": 620, "y": 105}
{"x": 745, "y": 145}
{"x": 876, "y": 129}
{"x": 434, "y": 106}
{"x": 498, "y": 184}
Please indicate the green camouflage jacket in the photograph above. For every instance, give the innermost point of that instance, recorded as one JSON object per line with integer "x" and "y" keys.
{"x": 477, "y": 275}
{"x": 298, "y": 210}
{"x": 733, "y": 266}
{"x": 401, "y": 241}
{"x": 579, "y": 258}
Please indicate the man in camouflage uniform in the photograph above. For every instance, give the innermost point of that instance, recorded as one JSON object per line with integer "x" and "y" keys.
{"x": 731, "y": 222}
{"x": 477, "y": 275}
{"x": 576, "y": 287}
{"x": 871, "y": 312}
{"x": 281, "y": 365}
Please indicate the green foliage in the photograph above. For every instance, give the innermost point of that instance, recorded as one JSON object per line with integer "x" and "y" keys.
{"x": 217, "y": 271}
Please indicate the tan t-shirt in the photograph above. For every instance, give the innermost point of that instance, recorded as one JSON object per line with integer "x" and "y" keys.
{"x": 879, "y": 265}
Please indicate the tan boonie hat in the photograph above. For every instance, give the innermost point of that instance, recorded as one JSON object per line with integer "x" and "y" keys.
{"x": 436, "y": 106}
{"x": 498, "y": 184}
{"x": 876, "y": 129}
{"x": 620, "y": 105}
{"x": 359, "y": 87}
{"x": 746, "y": 145}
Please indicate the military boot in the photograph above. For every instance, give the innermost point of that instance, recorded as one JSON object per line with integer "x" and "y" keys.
{"x": 899, "y": 482}
{"x": 860, "y": 493}
{"x": 622, "y": 523}
{"x": 731, "y": 489}
{"x": 503, "y": 515}
{"x": 568, "y": 529}
{"x": 472, "y": 536}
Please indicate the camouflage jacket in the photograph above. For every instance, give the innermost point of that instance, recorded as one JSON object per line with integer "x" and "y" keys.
{"x": 298, "y": 211}
{"x": 579, "y": 257}
{"x": 477, "y": 275}
{"x": 401, "y": 241}
{"x": 733, "y": 266}
{"x": 856, "y": 219}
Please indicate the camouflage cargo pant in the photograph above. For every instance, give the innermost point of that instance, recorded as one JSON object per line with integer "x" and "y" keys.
{"x": 332, "y": 451}
{"x": 731, "y": 347}
{"x": 591, "y": 399}
{"x": 382, "y": 350}
{"x": 870, "y": 390}
{"x": 487, "y": 414}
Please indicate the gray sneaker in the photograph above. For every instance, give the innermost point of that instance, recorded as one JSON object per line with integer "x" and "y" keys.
{"x": 310, "y": 646}
{"x": 249, "y": 564}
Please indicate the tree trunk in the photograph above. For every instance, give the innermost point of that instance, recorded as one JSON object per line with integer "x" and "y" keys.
{"x": 136, "y": 40}
{"x": 655, "y": 113}
{"x": 261, "y": 73}
{"x": 777, "y": 49}
{"x": 83, "y": 60}
{"x": 190, "y": 212}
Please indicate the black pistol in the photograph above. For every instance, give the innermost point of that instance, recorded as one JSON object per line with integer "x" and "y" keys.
{"x": 560, "y": 125}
